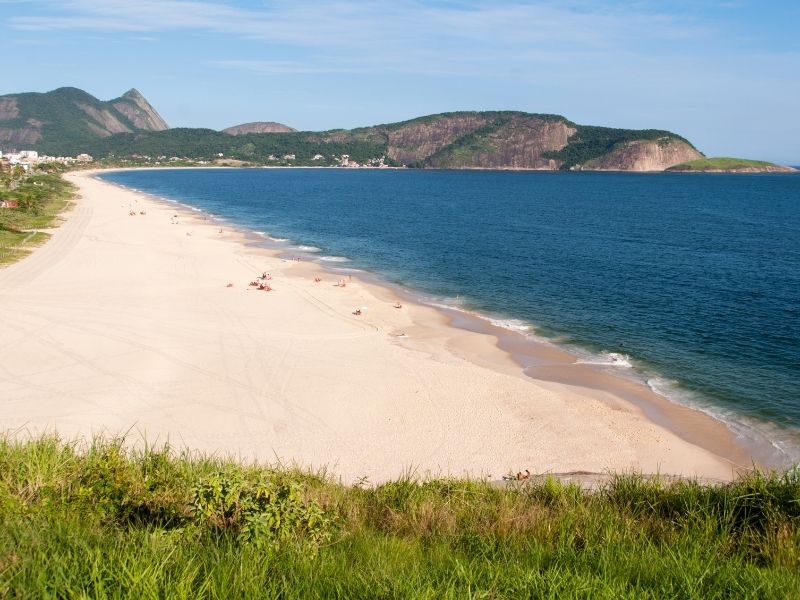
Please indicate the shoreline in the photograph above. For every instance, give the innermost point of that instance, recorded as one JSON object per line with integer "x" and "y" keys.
{"x": 615, "y": 434}
{"x": 546, "y": 362}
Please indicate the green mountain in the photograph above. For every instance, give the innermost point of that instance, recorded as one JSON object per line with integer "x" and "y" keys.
{"x": 462, "y": 140}
{"x": 68, "y": 120}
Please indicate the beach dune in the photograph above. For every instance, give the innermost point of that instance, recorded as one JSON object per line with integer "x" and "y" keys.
{"x": 125, "y": 324}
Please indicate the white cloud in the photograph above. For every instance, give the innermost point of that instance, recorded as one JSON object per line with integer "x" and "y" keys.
{"x": 365, "y": 24}
{"x": 406, "y": 36}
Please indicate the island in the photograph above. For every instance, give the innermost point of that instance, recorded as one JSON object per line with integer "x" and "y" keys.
{"x": 726, "y": 164}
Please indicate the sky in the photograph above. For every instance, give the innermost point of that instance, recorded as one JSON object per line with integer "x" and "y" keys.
{"x": 725, "y": 74}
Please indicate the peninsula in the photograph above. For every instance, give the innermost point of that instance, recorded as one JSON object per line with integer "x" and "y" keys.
{"x": 69, "y": 121}
{"x": 729, "y": 165}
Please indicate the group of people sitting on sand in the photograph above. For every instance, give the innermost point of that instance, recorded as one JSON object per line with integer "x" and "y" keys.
{"x": 261, "y": 282}
{"x": 132, "y": 213}
{"x": 520, "y": 476}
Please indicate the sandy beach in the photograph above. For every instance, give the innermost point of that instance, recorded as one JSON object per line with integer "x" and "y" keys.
{"x": 127, "y": 324}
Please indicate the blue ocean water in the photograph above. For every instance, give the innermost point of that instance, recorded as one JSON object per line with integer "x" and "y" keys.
{"x": 695, "y": 277}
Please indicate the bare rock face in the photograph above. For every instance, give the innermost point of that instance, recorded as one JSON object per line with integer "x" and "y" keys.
{"x": 105, "y": 123}
{"x": 417, "y": 140}
{"x": 22, "y": 136}
{"x": 519, "y": 143}
{"x": 258, "y": 127}
{"x": 8, "y": 109}
{"x": 645, "y": 155}
{"x": 139, "y": 111}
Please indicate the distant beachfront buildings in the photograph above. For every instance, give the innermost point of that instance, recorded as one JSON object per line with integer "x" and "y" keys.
{"x": 30, "y": 158}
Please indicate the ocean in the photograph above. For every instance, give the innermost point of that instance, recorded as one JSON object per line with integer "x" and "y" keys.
{"x": 687, "y": 282}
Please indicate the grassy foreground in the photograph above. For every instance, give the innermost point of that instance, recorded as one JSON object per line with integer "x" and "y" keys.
{"x": 41, "y": 199}
{"x": 101, "y": 521}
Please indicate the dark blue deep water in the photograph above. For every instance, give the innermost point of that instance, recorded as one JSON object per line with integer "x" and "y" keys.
{"x": 696, "y": 278}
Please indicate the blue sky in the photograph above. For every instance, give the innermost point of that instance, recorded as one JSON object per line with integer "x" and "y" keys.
{"x": 723, "y": 73}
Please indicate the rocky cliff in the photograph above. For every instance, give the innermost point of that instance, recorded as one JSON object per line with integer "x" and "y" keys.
{"x": 69, "y": 120}
{"x": 517, "y": 140}
{"x": 644, "y": 155}
{"x": 139, "y": 111}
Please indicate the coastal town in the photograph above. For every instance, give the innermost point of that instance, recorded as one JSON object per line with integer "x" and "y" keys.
{"x": 27, "y": 159}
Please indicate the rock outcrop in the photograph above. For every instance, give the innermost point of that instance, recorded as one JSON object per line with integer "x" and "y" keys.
{"x": 258, "y": 127}
{"x": 139, "y": 111}
{"x": 521, "y": 142}
{"x": 414, "y": 141}
{"x": 644, "y": 155}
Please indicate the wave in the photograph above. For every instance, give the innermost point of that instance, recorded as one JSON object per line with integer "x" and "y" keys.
{"x": 610, "y": 359}
{"x": 783, "y": 441}
{"x": 278, "y": 239}
{"x": 307, "y": 248}
{"x": 337, "y": 259}
{"x": 510, "y": 324}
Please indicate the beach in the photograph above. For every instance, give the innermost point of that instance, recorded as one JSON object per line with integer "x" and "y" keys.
{"x": 137, "y": 319}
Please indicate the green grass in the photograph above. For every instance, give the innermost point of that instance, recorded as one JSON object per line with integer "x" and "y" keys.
{"x": 15, "y": 245}
{"x": 42, "y": 198}
{"x": 100, "y": 521}
{"x": 722, "y": 163}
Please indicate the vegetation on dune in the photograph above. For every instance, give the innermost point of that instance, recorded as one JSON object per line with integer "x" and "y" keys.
{"x": 722, "y": 163}
{"x": 40, "y": 198}
{"x": 102, "y": 521}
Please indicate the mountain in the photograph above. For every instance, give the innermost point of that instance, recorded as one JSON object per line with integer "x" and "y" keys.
{"x": 517, "y": 140}
{"x": 139, "y": 111}
{"x": 461, "y": 140}
{"x": 258, "y": 127}
{"x": 68, "y": 120}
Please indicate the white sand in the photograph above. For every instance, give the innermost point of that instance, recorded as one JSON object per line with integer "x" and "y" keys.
{"x": 125, "y": 324}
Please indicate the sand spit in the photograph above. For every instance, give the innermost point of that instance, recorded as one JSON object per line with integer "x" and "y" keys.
{"x": 126, "y": 322}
